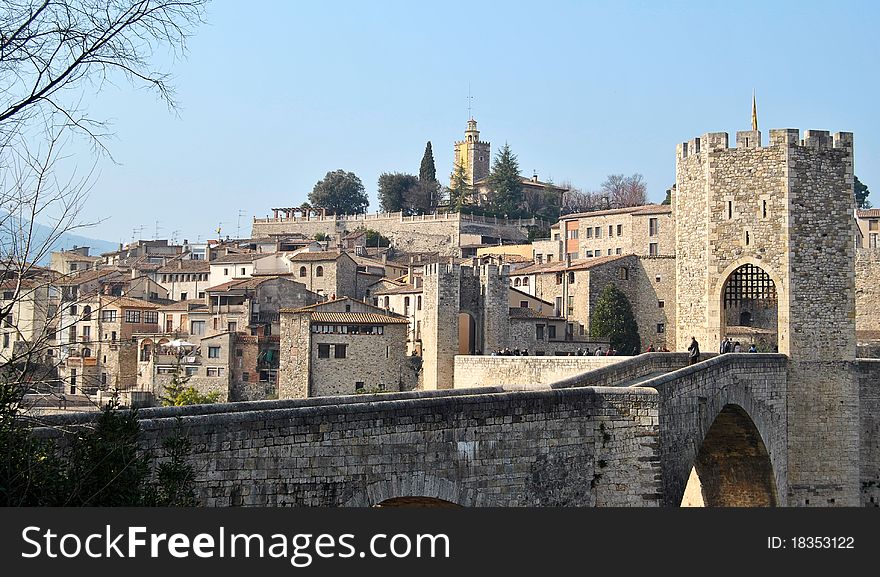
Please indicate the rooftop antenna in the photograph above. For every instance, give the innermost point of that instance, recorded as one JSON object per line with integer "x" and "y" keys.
{"x": 470, "y": 101}
{"x": 158, "y": 228}
{"x": 174, "y": 234}
{"x": 241, "y": 213}
{"x": 219, "y": 228}
{"x": 136, "y": 232}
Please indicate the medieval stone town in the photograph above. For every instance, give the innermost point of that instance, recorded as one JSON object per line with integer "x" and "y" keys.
{"x": 760, "y": 249}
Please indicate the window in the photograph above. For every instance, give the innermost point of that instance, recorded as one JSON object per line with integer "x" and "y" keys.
{"x": 72, "y": 310}
{"x": 191, "y": 371}
{"x": 405, "y": 305}
{"x": 8, "y": 319}
{"x": 517, "y": 281}
{"x": 323, "y": 351}
{"x": 339, "y": 351}
{"x": 573, "y": 256}
{"x": 232, "y": 326}
{"x": 5, "y": 340}
{"x": 525, "y": 282}
{"x": 239, "y": 352}
{"x": 523, "y": 304}
{"x": 556, "y": 236}
{"x": 87, "y": 352}
{"x": 573, "y": 233}
{"x": 598, "y": 232}
{"x": 872, "y": 240}
{"x": 653, "y": 250}
{"x": 559, "y": 278}
{"x": 558, "y": 310}
{"x": 73, "y": 267}
{"x": 551, "y": 331}
{"x": 213, "y": 352}
{"x": 245, "y": 377}
{"x": 201, "y": 294}
{"x": 197, "y": 328}
{"x": 764, "y": 209}
{"x": 873, "y": 224}
{"x": 653, "y": 226}
{"x": 112, "y": 336}
{"x": 610, "y": 230}
{"x": 242, "y": 271}
{"x": 589, "y": 232}
{"x": 539, "y": 258}
{"x": 661, "y": 304}
{"x": 609, "y": 252}
{"x": 589, "y": 254}
{"x": 215, "y": 371}
{"x": 216, "y": 323}
{"x": 570, "y": 305}
{"x": 359, "y": 386}
{"x": 729, "y": 209}
{"x": 183, "y": 296}
{"x": 419, "y": 299}
{"x": 623, "y": 273}
{"x": 164, "y": 278}
{"x": 8, "y": 295}
{"x": 618, "y": 251}
{"x": 619, "y": 230}
{"x": 225, "y": 272}
{"x": 151, "y": 317}
{"x": 132, "y": 316}
{"x": 539, "y": 332}
{"x": 302, "y": 271}
{"x": 72, "y": 381}
{"x": 747, "y": 239}
{"x": 571, "y": 277}
{"x": 319, "y": 271}
{"x": 87, "y": 333}
{"x": 657, "y": 278}
{"x": 87, "y": 313}
{"x": 661, "y": 328}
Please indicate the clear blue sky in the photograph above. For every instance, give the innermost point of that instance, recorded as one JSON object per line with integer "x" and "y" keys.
{"x": 274, "y": 94}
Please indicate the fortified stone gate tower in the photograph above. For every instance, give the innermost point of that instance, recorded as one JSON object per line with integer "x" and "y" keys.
{"x": 764, "y": 254}
{"x": 465, "y": 310}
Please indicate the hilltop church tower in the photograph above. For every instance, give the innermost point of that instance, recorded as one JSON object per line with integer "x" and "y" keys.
{"x": 472, "y": 154}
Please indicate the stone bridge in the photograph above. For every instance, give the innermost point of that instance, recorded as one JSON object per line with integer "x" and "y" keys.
{"x": 580, "y": 441}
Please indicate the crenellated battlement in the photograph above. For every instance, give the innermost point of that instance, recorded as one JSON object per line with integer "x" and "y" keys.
{"x": 749, "y": 139}
{"x": 474, "y": 142}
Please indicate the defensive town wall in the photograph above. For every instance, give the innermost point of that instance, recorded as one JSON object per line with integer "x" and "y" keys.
{"x": 418, "y": 233}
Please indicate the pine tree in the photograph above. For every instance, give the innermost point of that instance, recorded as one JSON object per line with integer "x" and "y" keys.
{"x": 861, "y": 192}
{"x": 506, "y": 191}
{"x": 612, "y": 318}
{"x": 460, "y": 190}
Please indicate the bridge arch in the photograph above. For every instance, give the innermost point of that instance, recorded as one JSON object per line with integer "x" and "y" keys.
{"x": 732, "y": 466}
{"x": 419, "y": 490}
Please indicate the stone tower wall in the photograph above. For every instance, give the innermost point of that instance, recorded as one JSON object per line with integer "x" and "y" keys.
{"x": 495, "y": 288}
{"x": 442, "y": 297}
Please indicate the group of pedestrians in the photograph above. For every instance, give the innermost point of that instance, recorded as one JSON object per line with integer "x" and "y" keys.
{"x": 727, "y": 346}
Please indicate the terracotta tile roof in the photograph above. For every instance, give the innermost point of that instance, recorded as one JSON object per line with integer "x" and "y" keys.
{"x": 643, "y": 209}
{"x": 405, "y": 289}
{"x": 315, "y": 307}
{"x": 560, "y": 266}
{"x": 237, "y": 257}
{"x": 126, "y": 302}
{"x": 315, "y": 255}
{"x": 241, "y": 284}
{"x": 358, "y": 318}
{"x": 185, "y": 265}
{"x": 526, "y": 313}
{"x": 868, "y": 213}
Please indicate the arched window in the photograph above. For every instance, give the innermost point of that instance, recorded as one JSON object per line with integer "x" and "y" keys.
{"x": 517, "y": 282}
{"x": 87, "y": 352}
{"x": 526, "y": 281}
{"x": 319, "y": 271}
{"x": 87, "y": 313}
{"x": 302, "y": 271}
{"x": 386, "y": 302}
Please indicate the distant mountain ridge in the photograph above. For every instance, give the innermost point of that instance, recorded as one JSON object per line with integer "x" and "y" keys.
{"x": 66, "y": 242}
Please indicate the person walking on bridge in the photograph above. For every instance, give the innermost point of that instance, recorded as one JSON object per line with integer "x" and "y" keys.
{"x": 693, "y": 351}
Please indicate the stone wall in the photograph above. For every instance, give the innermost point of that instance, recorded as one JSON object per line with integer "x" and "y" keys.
{"x": 869, "y": 431}
{"x": 425, "y": 233}
{"x": 377, "y": 361}
{"x": 526, "y": 372}
{"x": 867, "y": 295}
{"x": 441, "y": 290}
{"x": 578, "y": 447}
{"x": 647, "y": 292}
{"x": 295, "y": 359}
{"x": 642, "y": 237}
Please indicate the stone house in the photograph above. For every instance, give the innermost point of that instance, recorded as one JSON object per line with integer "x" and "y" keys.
{"x": 230, "y": 266}
{"x": 343, "y": 347}
{"x": 29, "y": 307}
{"x": 647, "y": 230}
{"x": 73, "y": 261}
{"x": 328, "y": 273}
{"x": 97, "y": 343}
{"x": 183, "y": 278}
